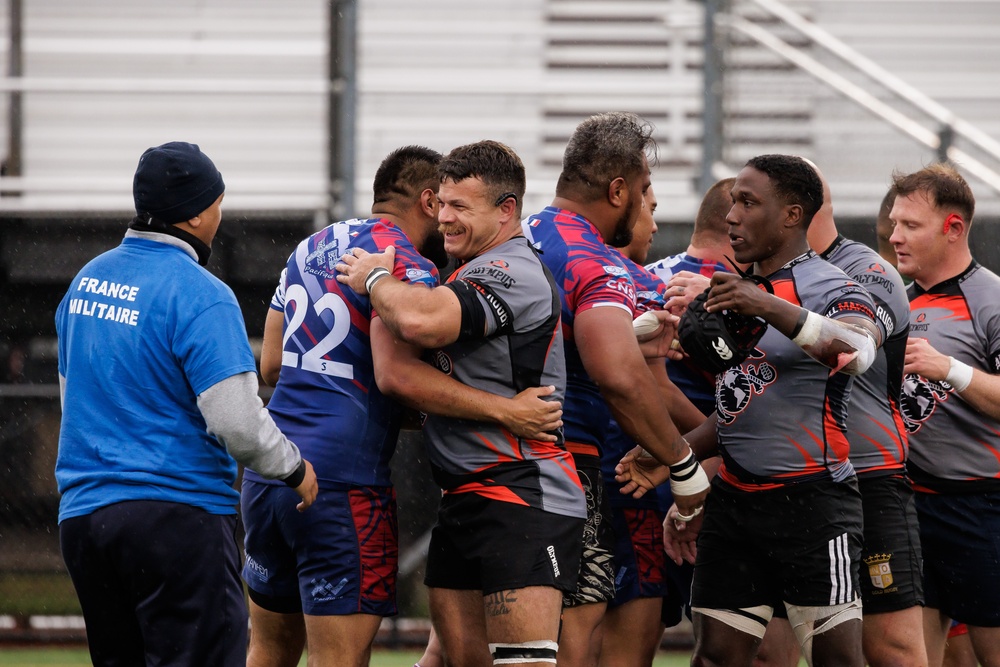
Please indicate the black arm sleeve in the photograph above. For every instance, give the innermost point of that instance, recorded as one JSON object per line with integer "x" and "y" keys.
{"x": 472, "y": 295}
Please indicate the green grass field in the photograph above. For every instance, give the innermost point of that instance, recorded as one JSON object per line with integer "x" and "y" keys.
{"x": 73, "y": 657}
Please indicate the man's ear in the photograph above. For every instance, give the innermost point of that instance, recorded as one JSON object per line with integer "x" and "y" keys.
{"x": 793, "y": 215}
{"x": 954, "y": 225}
{"x": 429, "y": 203}
{"x": 509, "y": 209}
{"x": 616, "y": 190}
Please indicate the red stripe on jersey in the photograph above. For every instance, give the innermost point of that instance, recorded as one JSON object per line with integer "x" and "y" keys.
{"x": 729, "y": 479}
{"x": 582, "y": 448}
{"x": 891, "y": 459}
{"x": 500, "y": 493}
{"x": 785, "y": 288}
{"x": 810, "y": 465}
{"x": 836, "y": 439}
{"x": 956, "y": 305}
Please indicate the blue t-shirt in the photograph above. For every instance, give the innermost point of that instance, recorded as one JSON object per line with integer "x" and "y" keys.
{"x": 143, "y": 330}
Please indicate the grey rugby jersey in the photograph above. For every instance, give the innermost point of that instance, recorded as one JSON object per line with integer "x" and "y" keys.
{"x": 511, "y": 340}
{"x": 875, "y": 427}
{"x": 781, "y": 414}
{"x": 953, "y": 447}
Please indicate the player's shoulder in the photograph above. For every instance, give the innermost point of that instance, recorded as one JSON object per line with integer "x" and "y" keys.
{"x": 817, "y": 279}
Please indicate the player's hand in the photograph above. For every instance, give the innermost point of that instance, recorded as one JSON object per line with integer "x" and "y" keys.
{"x": 921, "y": 358}
{"x": 682, "y": 288}
{"x": 732, "y": 292}
{"x": 680, "y": 537}
{"x": 530, "y": 415}
{"x": 663, "y": 341}
{"x": 308, "y": 488}
{"x": 356, "y": 264}
{"x": 639, "y": 472}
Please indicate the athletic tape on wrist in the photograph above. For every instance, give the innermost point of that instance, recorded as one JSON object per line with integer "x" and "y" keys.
{"x": 959, "y": 375}
{"x": 374, "y": 276}
{"x": 687, "y": 478}
{"x": 809, "y": 331}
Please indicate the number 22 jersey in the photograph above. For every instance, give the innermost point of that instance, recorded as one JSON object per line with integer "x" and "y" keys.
{"x": 326, "y": 400}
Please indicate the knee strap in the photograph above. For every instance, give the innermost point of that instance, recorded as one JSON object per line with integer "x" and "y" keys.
{"x": 803, "y": 621}
{"x": 535, "y": 651}
{"x": 749, "y": 620}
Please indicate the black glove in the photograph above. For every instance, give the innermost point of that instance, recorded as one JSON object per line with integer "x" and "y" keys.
{"x": 720, "y": 340}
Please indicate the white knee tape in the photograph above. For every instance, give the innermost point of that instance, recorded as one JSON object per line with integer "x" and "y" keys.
{"x": 749, "y": 620}
{"x": 804, "y": 621}
{"x": 542, "y": 650}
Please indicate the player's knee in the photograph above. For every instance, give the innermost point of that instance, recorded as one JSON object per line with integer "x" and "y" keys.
{"x": 524, "y": 653}
{"x": 808, "y": 623}
{"x": 749, "y": 620}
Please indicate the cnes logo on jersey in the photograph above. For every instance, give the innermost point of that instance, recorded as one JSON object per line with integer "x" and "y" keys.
{"x": 722, "y": 349}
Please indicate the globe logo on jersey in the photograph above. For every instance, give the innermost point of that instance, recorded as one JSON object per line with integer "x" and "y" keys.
{"x": 735, "y": 387}
{"x": 918, "y": 399}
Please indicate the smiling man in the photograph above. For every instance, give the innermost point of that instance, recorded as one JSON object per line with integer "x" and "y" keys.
{"x": 951, "y": 405}
{"x": 510, "y": 526}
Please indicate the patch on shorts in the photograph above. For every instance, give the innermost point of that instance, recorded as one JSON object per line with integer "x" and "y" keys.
{"x": 880, "y": 572}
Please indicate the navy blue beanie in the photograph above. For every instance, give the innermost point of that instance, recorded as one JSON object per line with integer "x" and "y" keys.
{"x": 175, "y": 182}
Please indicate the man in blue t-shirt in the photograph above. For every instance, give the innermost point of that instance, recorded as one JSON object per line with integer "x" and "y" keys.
{"x": 159, "y": 395}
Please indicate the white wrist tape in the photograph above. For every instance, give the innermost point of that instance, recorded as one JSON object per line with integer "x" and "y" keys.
{"x": 959, "y": 375}
{"x": 821, "y": 338}
{"x": 374, "y": 276}
{"x": 810, "y": 331}
{"x": 687, "y": 478}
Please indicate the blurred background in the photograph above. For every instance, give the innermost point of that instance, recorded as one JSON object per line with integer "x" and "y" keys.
{"x": 297, "y": 102}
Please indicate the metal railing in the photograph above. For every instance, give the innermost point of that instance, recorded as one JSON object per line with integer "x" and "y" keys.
{"x": 950, "y": 124}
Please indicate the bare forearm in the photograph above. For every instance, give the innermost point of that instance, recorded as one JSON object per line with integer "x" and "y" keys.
{"x": 683, "y": 412}
{"x": 639, "y": 409}
{"x": 983, "y": 394}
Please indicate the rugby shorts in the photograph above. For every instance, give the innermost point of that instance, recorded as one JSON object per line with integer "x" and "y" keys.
{"x": 491, "y": 546}
{"x": 338, "y": 557}
{"x": 960, "y": 539}
{"x": 597, "y": 570}
{"x": 890, "y": 557}
{"x": 639, "y": 559}
{"x": 800, "y": 544}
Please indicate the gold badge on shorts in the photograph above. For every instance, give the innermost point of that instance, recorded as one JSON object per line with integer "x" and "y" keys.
{"x": 879, "y": 570}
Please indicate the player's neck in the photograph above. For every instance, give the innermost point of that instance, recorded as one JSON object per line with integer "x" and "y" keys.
{"x": 711, "y": 253}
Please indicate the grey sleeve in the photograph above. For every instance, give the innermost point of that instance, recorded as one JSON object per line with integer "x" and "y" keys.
{"x": 237, "y": 417}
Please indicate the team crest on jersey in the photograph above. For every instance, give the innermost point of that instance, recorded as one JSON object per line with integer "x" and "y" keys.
{"x": 417, "y": 275}
{"x": 615, "y": 271}
{"x": 879, "y": 570}
{"x": 735, "y": 387}
{"x": 323, "y": 259}
{"x": 918, "y": 399}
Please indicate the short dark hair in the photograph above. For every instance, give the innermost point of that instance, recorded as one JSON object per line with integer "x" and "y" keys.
{"x": 794, "y": 180}
{"x": 494, "y": 163}
{"x": 710, "y": 223}
{"x": 405, "y": 173}
{"x": 603, "y": 148}
{"x": 943, "y": 185}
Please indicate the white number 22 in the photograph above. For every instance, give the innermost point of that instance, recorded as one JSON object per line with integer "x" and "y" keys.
{"x": 312, "y": 359}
